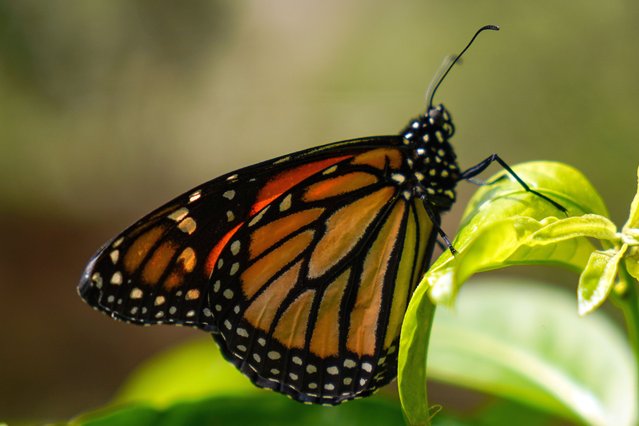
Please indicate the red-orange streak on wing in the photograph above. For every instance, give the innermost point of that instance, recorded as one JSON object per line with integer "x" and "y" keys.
{"x": 211, "y": 260}
{"x": 284, "y": 181}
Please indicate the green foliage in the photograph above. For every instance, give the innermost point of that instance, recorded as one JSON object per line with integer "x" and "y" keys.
{"x": 269, "y": 410}
{"x": 520, "y": 341}
{"x": 192, "y": 384}
{"x": 505, "y": 225}
{"x": 494, "y": 351}
{"x": 193, "y": 370}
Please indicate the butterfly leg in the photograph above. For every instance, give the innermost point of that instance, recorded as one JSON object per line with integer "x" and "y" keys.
{"x": 479, "y": 182}
{"x": 480, "y": 167}
{"x": 435, "y": 219}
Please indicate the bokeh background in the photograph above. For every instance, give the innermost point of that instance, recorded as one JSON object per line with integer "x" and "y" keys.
{"x": 110, "y": 108}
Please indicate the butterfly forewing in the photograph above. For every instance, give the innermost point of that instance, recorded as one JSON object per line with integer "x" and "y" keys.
{"x": 157, "y": 271}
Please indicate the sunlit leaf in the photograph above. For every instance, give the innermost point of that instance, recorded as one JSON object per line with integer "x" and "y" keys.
{"x": 505, "y": 225}
{"x": 191, "y": 370}
{"x": 632, "y": 263}
{"x": 598, "y": 278}
{"x": 524, "y": 341}
{"x": 413, "y": 347}
{"x": 588, "y": 225}
{"x": 633, "y": 219}
{"x": 561, "y": 182}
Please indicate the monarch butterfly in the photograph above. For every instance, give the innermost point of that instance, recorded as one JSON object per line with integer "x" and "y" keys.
{"x": 300, "y": 267}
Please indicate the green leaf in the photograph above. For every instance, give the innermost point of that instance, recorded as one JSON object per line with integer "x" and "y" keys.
{"x": 561, "y": 182}
{"x": 191, "y": 370}
{"x": 411, "y": 368}
{"x": 263, "y": 409}
{"x": 193, "y": 384}
{"x": 598, "y": 278}
{"x": 522, "y": 340}
{"x": 588, "y": 225}
{"x": 498, "y": 412}
{"x": 633, "y": 219}
{"x": 505, "y": 225}
{"x": 632, "y": 262}
{"x": 515, "y": 241}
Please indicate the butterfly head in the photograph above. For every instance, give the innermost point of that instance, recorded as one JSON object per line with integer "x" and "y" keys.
{"x": 432, "y": 161}
{"x": 439, "y": 118}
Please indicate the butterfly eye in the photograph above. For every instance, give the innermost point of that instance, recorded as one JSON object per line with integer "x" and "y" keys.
{"x": 435, "y": 114}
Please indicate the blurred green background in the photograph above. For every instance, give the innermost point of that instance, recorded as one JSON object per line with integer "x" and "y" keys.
{"x": 110, "y": 108}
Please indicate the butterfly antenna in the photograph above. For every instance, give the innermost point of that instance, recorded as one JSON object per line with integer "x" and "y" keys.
{"x": 448, "y": 64}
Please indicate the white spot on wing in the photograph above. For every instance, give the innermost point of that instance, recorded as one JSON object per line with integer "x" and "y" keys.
{"x": 96, "y": 278}
{"x": 188, "y": 225}
{"x": 195, "y": 196}
{"x": 235, "y": 247}
{"x": 329, "y": 170}
{"x": 179, "y": 214}
{"x": 116, "y": 278}
{"x": 274, "y": 355}
{"x": 286, "y": 203}
{"x": 258, "y": 216}
{"x": 234, "y": 268}
{"x": 398, "y": 177}
{"x": 349, "y": 363}
{"x": 282, "y": 160}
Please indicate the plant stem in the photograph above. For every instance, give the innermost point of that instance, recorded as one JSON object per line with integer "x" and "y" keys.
{"x": 628, "y": 302}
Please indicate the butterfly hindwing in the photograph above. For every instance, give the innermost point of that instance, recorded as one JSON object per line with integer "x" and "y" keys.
{"x": 309, "y": 294}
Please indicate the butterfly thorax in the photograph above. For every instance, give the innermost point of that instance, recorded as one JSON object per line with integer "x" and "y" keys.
{"x": 431, "y": 164}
